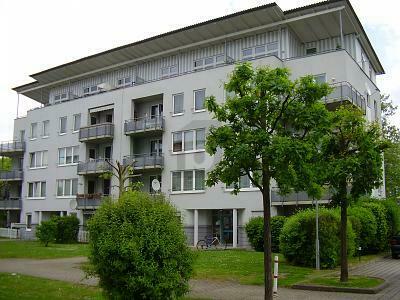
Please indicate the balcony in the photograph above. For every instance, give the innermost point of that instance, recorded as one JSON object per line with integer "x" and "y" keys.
{"x": 13, "y": 175}
{"x": 11, "y": 204}
{"x": 153, "y": 124}
{"x": 94, "y": 167}
{"x": 12, "y": 148}
{"x": 89, "y": 201}
{"x": 97, "y": 133}
{"x": 296, "y": 198}
{"x": 344, "y": 92}
{"x": 150, "y": 161}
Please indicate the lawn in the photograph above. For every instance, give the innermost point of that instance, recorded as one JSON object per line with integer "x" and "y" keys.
{"x": 33, "y": 249}
{"x": 354, "y": 281}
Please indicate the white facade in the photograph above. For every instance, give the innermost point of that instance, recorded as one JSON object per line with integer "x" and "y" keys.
{"x": 116, "y": 100}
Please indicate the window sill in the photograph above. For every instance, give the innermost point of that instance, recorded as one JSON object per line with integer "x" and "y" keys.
{"x": 36, "y": 168}
{"x": 75, "y": 131}
{"x": 188, "y": 152}
{"x": 187, "y": 192}
{"x": 177, "y": 114}
{"x": 67, "y": 165}
{"x": 244, "y": 190}
{"x": 63, "y": 133}
{"x": 66, "y": 197}
{"x": 35, "y": 198}
{"x": 45, "y": 137}
{"x": 199, "y": 111}
{"x": 33, "y": 139}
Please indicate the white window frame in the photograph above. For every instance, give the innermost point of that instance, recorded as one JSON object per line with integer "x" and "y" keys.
{"x": 31, "y": 135}
{"x": 36, "y": 184}
{"x": 194, "y": 100}
{"x": 194, "y": 145}
{"x": 43, "y": 129}
{"x": 169, "y": 71}
{"x": 59, "y": 125}
{"x": 41, "y": 165}
{"x": 74, "y": 148}
{"x": 200, "y": 63}
{"x": 267, "y": 50}
{"x": 60, "y": 97}
{"x": 251, "y": 187}
{"x": 320, "y": 76}
{"x": 64, "y": 195}
{"x": 74, "y": 130}
{"x": 90, "y": 90}
{"x": 125, "y": 81}
{"x": 182, "y": 191}
{"x": 173, "y": 104}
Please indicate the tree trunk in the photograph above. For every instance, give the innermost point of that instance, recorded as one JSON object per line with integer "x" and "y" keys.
{"x": 267, "y": 237}
{"x": 344, "y": 268}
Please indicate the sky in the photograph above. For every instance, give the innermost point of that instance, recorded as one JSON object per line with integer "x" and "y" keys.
{"x": 37, "y": 35}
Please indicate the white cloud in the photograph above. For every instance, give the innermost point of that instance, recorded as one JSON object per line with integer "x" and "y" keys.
{"x": 45, "y": 33}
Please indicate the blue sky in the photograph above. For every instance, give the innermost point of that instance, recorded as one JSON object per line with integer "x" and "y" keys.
{"x": 44, "y": 33}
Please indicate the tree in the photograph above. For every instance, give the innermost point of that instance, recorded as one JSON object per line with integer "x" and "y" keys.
{"x": 46, "y": 232}
{"x": 268, "y": 130}
{"x": 353, "y": 160}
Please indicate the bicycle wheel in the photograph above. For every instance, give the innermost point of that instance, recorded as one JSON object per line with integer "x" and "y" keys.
{"x": 201, "y": 245}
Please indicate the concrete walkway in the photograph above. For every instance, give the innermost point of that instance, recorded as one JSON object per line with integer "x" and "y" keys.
{"x": 68, "y": 269}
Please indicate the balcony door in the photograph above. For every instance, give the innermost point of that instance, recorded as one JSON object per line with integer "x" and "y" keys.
{"x": 106, "y": 187}
{"x": 155, "y": 147}
{"x": 108, "y": 152}
{"x": 156, "y": 110}
{"x": 92, "y": 154}
{"x": 91, "y": 187}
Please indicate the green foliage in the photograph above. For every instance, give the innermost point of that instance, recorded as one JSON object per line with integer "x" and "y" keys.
{"x": 380, "y": 242}
{"x": 255, "y": 233}
{"x": 392, "y": 216}
{"x": 46, "y": 232}
{"x": 277, "y": 223}
{"x": 5, "y": 163}
{"x": 297, "y": 240}
{"x": 67, "y": 228}
{"x": 392, "y": 170}
{"x": 138, "y": 248}
{"x": 365, "y": 228}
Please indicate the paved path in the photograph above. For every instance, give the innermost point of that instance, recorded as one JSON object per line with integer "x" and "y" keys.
{"x": 68, "y": 269}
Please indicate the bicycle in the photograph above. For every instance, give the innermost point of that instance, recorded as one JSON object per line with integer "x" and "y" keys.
{"x": 211, "y": 242}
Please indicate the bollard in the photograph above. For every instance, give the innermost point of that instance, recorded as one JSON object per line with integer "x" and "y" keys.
{"x": 275, "y": 288}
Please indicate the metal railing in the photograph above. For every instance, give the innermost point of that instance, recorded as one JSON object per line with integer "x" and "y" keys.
{"x": 145, "y": 161}
{"x": 296, "y": 197}
{"x": 89, "y": 201}
{"x": 11, "y": 203}
{"x": 97, "y": 131}
{"x": 144, "y": 124}
{"x": 12, "y": 146}
{"x": 11, "y": 175}
{"x": 94, "y": 166}
{"x": 343, "y": 91}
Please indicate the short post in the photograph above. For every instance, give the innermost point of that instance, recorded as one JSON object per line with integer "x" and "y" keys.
{"x": 275, "y": 288}
{"x": 359, "y": 253}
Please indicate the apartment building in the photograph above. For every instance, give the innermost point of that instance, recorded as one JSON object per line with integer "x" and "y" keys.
{"x": 144, "y": 103}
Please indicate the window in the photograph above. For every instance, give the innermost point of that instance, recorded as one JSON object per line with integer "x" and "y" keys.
{"x": 189, "y": 140}
{"x": 169, "y": 71}
{"x": 260, "y": 50}
{"x": 177, "y": 102}
{"x": 33, "y": 130}
{"x": 38, "y": 159}
{"x": 68, "y": 155}
{"x": 156, "y": 111}
{"x": 90, "y": 90}
{"x": 208, "y": 62}
{"x": 77, "y": 122}
{"x": 310, "y": 51}
{"x": 63, "y": 125}
{"x": 60, "y": 97}
{"x": 247, "y": 53}
{"x": 67, "y": 187}
{"x": 29, "y": 221}
{"x": 244, "y": 182}
{"x": 22, "y": 135}
{"x": 45, "y": 128}
{"x": 124, "y": 81}
{"x": 187, "y": 180}
{"x": 320, "y": 78}
{"x": 37, "y": 189}
{"x": 199, "y": 97}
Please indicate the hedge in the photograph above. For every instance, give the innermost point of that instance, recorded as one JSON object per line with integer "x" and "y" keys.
{"x": 297, "y": 240}
{"x": 67, "y": 228}
{"x": 392, "y": 216}
{"x": 364, "y": 226}
{"x": 380, "y": 241}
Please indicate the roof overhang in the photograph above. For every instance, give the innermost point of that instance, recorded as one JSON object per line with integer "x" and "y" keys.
{"x": 309, "y": 23}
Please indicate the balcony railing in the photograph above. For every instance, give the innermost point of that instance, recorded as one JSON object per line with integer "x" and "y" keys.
{"x": 144, "y": 124}
{"x": 296, "y": 197}
{"x": 344, "y": 91}
{"x": 12, "y": 175}
{"x": 11, "y": 203}
{"x": 89, "y": 201}
{"x": 145, "y": 161}
{"x": 12, "y": 147}
{"x": 104, "y": 131}
{"x": 94, "y": 166}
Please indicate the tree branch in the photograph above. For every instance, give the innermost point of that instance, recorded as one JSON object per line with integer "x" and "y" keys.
{"x": 280, "y": 114}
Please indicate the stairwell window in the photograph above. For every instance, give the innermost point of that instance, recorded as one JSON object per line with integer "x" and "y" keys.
{"x": 188, "y": 141}
{"x": 187, "y": 181}
{"x": 37, "y": 190}
{"x": 63, "y": 125}
{"x": 67, "y": 187}
{"x": 199, "y": 99}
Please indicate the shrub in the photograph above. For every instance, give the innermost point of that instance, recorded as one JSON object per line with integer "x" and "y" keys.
{"x": 277, "y": 223}
{"x": 380, "y": 242}
{"x": 138, "y": 248}
{"x": 255, "y": 233}
{"x": 364, "y": 226}
{"x": 392, "y": 216}
{"x": 46, "y": 232}
{"x": 67, "y": 229}
{"x": 297, "y": 240}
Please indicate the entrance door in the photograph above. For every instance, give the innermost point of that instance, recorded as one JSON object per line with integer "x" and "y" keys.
{"x": 222, "y": 223}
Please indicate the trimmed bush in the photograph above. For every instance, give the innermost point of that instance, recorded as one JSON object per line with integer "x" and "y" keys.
{"x": 392, "y": 216}
{"x": 380, "y": 242}
{"x": 138, "y": 248}
{"x": 67, "y": 228}
{"x": 297, "y": 240}
{"x": 364, "y": 226}
{"x": 255, "y": 232}
{"x": 46, "y": 232}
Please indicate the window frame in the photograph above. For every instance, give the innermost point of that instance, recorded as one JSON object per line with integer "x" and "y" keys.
{"x": 71, "y": 188}
{"x": 194, "y": 100}
{"x": 36, "y": 185}
{"x": 41, "y": 165}
{"x": 124, "y": 81}
{"x": 173, "y": 104}
{"x": 36, "y": 133}
{"x": 43, "y": 129}
{"x": 73, "y": 149}
{"x": 60, "y": 125}
{"x": 169, "y": 71}
{"x": 194, "y": 141}
{"x": 251, "y": 187}
{"x": 182, "y": 182}
{"x": 74, "y": 130}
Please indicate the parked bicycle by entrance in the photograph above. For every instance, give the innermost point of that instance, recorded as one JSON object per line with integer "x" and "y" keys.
{"x": 211, "y": 242}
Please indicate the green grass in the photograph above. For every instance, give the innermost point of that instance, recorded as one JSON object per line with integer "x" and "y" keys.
{"x": 245, "y": 267}
{"x": 33, "y": 249}
{"x": 354, "y": 281}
